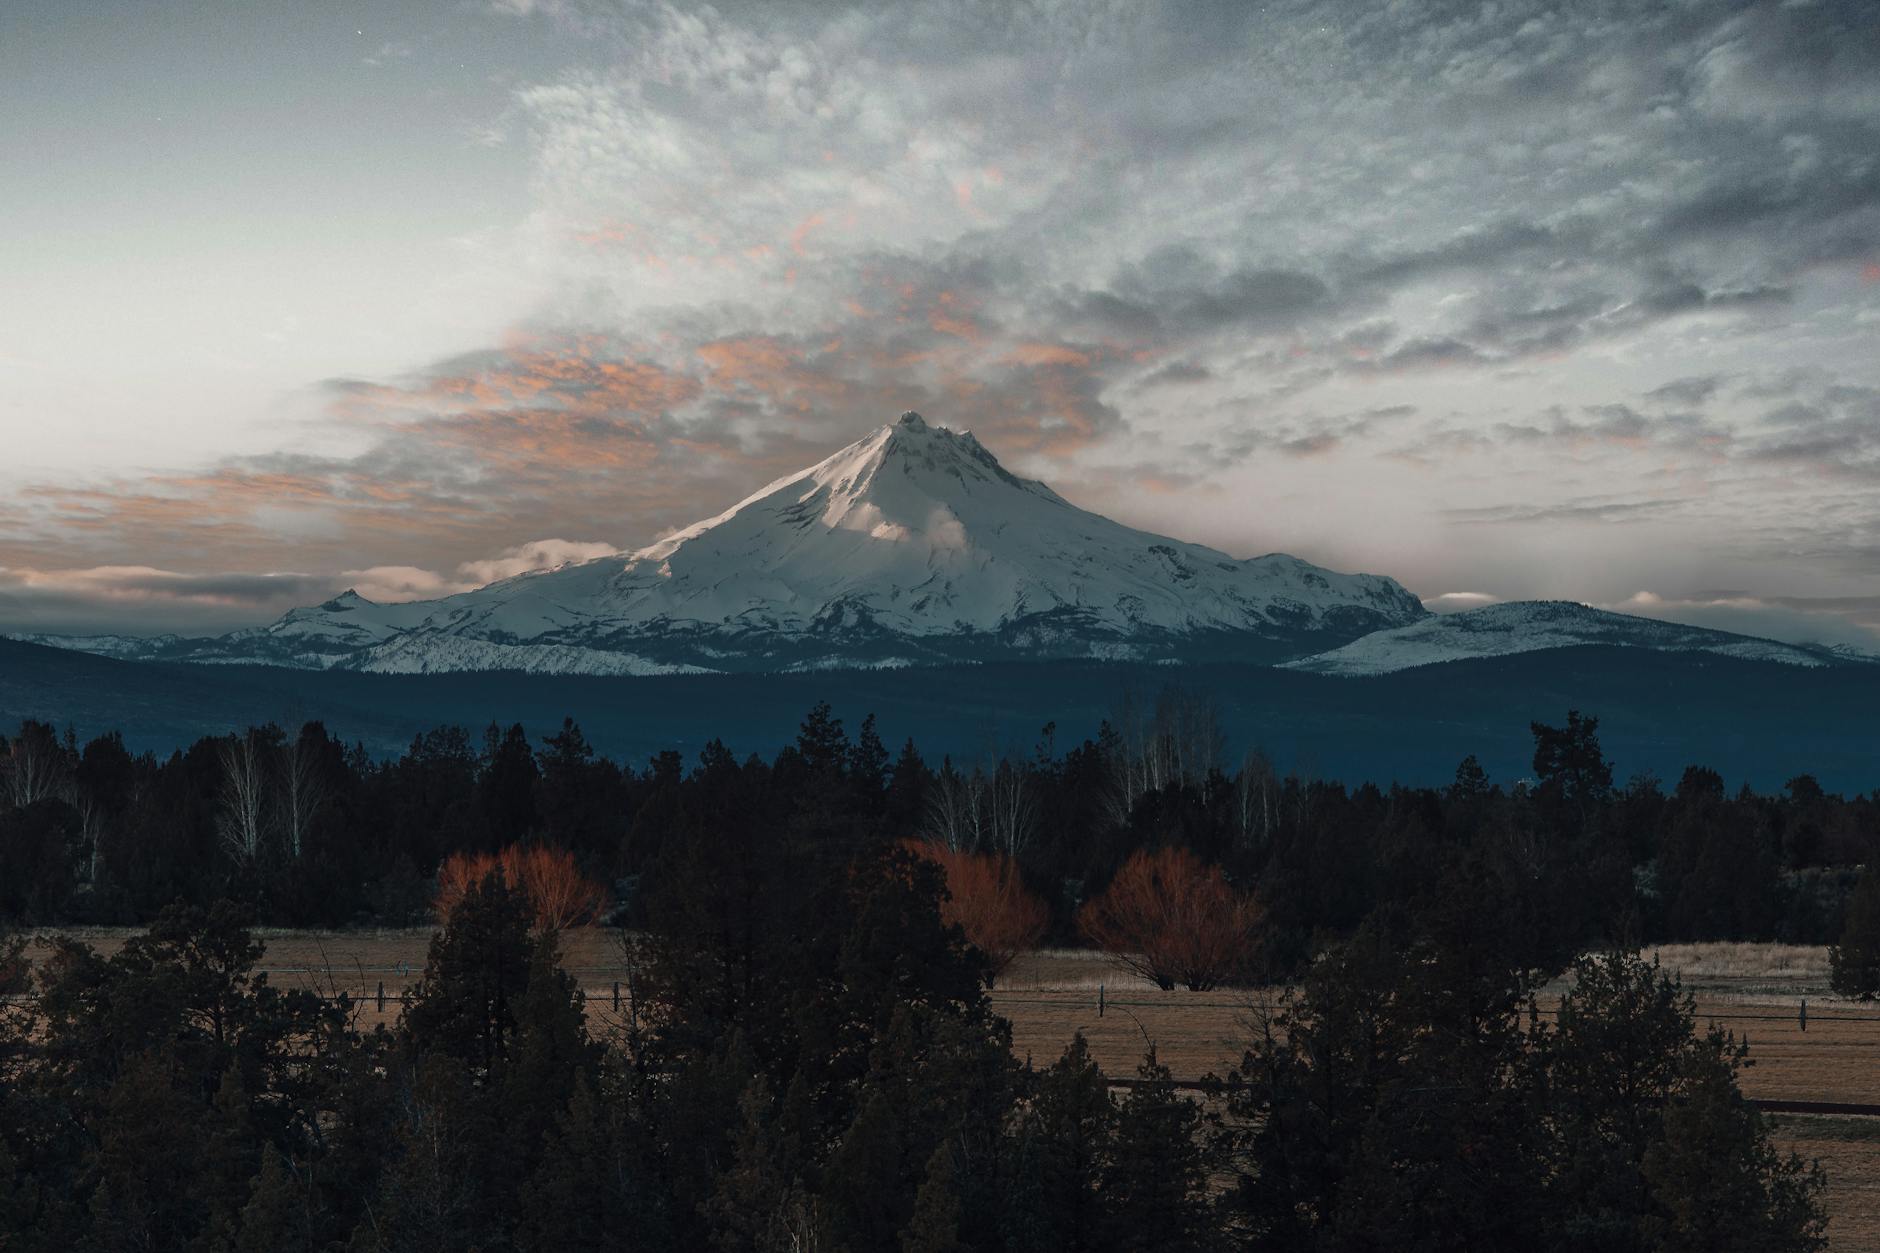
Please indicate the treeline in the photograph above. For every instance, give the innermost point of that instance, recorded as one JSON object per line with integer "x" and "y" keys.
{"x": 311, "y": 832}
{"x": 809, "y": 1064}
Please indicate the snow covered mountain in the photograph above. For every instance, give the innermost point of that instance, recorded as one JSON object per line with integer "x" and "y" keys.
{"x": 1530, "y": 625}
{"x": 910, "y": 546}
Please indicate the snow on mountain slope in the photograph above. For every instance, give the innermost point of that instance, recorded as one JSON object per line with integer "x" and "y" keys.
{"x": 1526, "y": 626}
{"x": 916, "y": 531}
{"x": 124, "y": 647}
{"x": 912, "y": 545}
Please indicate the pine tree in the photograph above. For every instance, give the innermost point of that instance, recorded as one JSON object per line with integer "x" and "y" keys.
{"x": 1154, "y": 1182}
{"x": 474, "y": 980}
{"x": 275, "y": 1219}
{"x": 227, "y": 1157}
{"x": 868, "y": 766}
{"x": 147, "y": 1194}
{"x": 595, "y": 1189}
{"x": 1854, "y": 963}
{"x": 905, "y": 804}
{"x": 1719, "y": 1184}
{"x": 552, "y": 1050}
{"x": 1065, "y": 1140}
{"x": 760, "y": 1204}
{"x": 506, "y": 792}
{"x": 432, "y": 1196}
{"x": 935, "y": 1227}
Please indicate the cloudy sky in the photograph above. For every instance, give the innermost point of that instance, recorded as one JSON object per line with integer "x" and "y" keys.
{"x": 1503, "y": 301}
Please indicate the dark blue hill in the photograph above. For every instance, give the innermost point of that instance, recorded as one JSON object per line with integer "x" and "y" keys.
{"x": 1756, "y": 722}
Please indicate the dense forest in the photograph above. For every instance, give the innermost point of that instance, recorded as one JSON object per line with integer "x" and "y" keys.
{"x": 810, "y": 1060}
{"x": 307, "y": 831}
{"x": 811, "y": 1064}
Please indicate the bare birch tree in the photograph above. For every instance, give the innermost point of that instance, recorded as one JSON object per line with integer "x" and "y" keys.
{"x": 35, "y": 767}
{"x": 241, "y": 802}
{"x": 1011, "y": 807}
{"x": 1256, "y": 800}
{"x": 91, "y": 818}
{"x": 1176, "y": 743}
{"x": 953, "y": 819}
{"x": 302, "y": 791}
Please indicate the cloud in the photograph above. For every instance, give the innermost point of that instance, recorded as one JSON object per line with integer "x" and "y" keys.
{"x": 541, "y": 554}
{"x": 1844, "y": 621}
{"x": 139, "y": 599}
{"x": 1495, "y": 266}
{"x": 1585, "y": 510}
{"x": 1175, "y": 374}
{"x": 1686, "y": 391}
{"x": 1457, "y": 602}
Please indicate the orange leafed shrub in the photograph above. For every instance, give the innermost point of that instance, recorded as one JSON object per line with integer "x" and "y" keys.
{"x": 1174, "y": 920}
{"x": 988, "y": 900}
{"x": 548, "y": 877}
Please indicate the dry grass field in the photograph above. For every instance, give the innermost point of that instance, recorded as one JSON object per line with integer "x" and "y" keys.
{"x": 1755, "y": 990}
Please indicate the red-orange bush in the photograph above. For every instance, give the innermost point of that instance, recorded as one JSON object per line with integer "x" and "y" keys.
{"x": 1174, "y": 920}
{"x": 548, "y": 877}
{"x": 988, "y": 900}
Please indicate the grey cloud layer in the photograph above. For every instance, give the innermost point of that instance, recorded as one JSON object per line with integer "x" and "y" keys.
{"x": 1613, "y": 269}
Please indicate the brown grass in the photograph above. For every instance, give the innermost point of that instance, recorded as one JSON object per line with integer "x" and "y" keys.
{"x": 1849, "y": 1151}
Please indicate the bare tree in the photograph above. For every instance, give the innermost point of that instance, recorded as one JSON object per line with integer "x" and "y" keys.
{"x": 35, "y": 767}
{"x": 558, "y": 894}
{"x": 1256, "y": 800}
{"x": 241, "y": 803}
{"x": 1177, "y": 743}
{"x": 988, "y": 900}
{"x": 1172, "y": 919}
{"x": 981, "y": 811}
{"x": 955, "y": 819}
{"x": 91, "y": 817}
{"x": 302, "y": 791}
{"x": 1011, "y": 808}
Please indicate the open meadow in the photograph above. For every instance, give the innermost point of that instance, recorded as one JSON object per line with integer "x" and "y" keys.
{"x": 1754, "y": 990}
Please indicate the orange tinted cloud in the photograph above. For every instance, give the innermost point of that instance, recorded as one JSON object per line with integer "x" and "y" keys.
{"x": 584, "y": 433}
{"x": 799, "y": 234}
{"x": 1047, "y": 354}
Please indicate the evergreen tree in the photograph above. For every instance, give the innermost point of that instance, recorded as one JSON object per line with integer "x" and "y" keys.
{"x": 1574, "y": 778}
{"x": 1063, "y": 1142}
{"x": 1153, "y": 1184}
{"x": 868, "y": 767}
{"x": 474, "y": 980}
{"x": 935, "y": 1226}
{"x": 905, "y": 805}
{"x": 553, "y": 1053}
{"x": 432, "y": 1194}
{"x": 274, "y": 1220}
{"x": 595, "y": 1189}
{"x": 1718, "y": 1185}
{"x": 761, "y": 1203}
{"x": 506, "y": 791}
{"x": 147, "y": 1194}
{"x": 1854, "y": 963}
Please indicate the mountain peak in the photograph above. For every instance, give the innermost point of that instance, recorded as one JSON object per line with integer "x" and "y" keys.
{"x": 348, "y": 599}
{"x": 910, "y": 545}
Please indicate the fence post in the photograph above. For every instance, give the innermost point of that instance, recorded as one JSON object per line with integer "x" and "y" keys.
{"x": 616, "y": 996}
{"x": 1099, "y": 1000}
{"x": 381, "y": 996}
{"x": 1804, "y": 1014}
